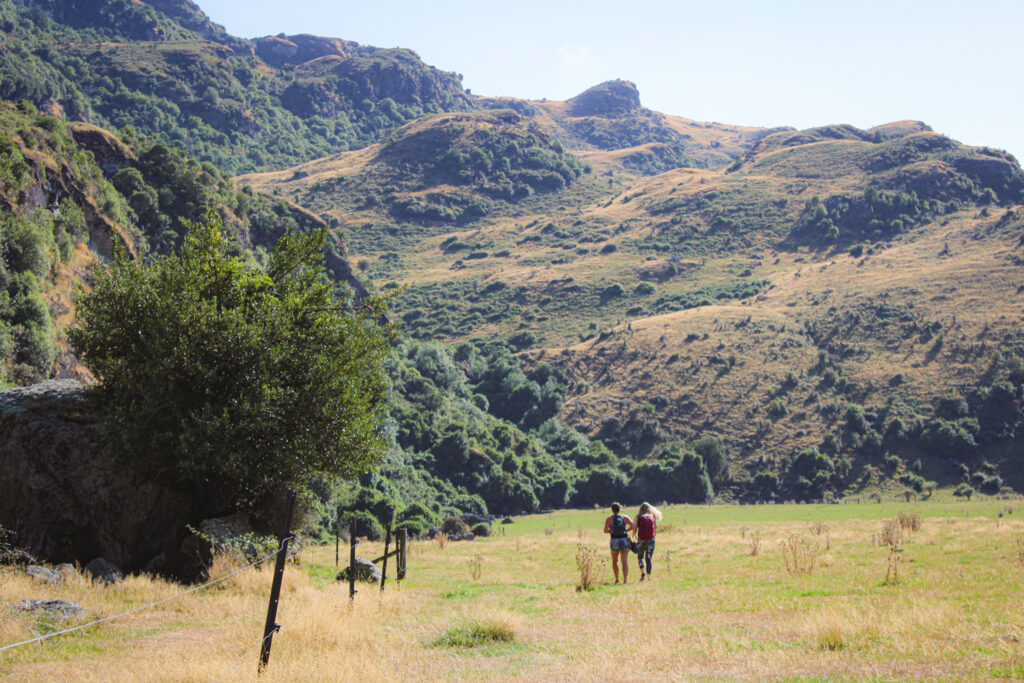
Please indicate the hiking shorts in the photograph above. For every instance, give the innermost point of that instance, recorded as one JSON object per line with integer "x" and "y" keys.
{"x": 619, "y": 544}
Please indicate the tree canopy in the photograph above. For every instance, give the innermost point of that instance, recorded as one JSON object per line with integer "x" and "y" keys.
{"x": 235, "y": 379}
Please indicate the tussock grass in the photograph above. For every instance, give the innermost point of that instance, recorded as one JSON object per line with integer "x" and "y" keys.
{"x": 475, "y": 635}
{"x": 720, "y": 614}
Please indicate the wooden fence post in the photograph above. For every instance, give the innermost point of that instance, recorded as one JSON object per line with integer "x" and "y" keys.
{"x": 352, "y": 559}
{"x": 400, "y": 544}
{"x": 271, "y": 625}
{"x": 384, "y": 568}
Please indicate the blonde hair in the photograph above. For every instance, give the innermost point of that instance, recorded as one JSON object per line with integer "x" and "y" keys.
{"x": 648, "y": 509}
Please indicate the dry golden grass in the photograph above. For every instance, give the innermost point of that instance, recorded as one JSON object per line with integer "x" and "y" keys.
{"x": 719, "y": 614}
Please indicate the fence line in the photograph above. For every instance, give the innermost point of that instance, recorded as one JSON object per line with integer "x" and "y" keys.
{"x": 152, "y": 604}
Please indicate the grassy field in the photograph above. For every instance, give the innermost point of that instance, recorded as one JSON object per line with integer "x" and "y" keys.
{"x": 712, "y": 609}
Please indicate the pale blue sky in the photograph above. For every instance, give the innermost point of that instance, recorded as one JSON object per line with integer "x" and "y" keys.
{"x": 954, "y": 65}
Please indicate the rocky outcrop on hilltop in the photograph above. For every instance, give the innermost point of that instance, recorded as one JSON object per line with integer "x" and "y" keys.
{"x": 611, "y": 98}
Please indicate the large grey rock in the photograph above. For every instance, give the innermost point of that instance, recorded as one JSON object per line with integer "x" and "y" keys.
{"x": 62, "y": 609}
{"x": 364, "y": 570}
{"x": 105, "y": 571}
{"x": 43, "y": 574}
{"x": 66, "y": 499}
{"x": 468, "y": 536}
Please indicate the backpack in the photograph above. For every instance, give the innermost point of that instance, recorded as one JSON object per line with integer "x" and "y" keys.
{"x": 618, "y": 527}
{"x": 645, "y": 527}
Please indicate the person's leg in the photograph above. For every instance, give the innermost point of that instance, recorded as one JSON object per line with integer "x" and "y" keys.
{"x": 615, "y": 565}
{"x": 649, "y": 555}
{"x": 640, "y": 557}
{"x": 624, "y": 556}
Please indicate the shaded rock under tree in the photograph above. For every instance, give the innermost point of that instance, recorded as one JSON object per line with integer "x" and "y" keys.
{"x": 65, "y": 500}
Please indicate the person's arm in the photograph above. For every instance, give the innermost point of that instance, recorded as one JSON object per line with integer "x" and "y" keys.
{"x": 630, "y": 526}
{"x": 608, "y": 525}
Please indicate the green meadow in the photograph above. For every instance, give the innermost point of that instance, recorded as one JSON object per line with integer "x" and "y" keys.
{"x": 863, "y": 598}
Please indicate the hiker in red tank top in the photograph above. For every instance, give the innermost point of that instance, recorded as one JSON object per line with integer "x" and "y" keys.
{"x": 646, "y": 529}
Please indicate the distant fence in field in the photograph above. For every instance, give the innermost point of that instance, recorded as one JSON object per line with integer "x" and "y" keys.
{"x": 280, "y": 554}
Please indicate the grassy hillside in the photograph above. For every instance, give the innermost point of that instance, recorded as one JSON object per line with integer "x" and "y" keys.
{"x": 830, "y": 289}
{"x": 837, "y": 305}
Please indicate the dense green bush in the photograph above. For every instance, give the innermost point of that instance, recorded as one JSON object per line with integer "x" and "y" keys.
{"x": 454, "y": 526}
{"x": 230, "y": 380}
{"x": 366, "y": 525}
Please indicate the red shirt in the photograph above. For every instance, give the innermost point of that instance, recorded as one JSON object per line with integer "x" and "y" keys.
{"x": 646, "y": 527}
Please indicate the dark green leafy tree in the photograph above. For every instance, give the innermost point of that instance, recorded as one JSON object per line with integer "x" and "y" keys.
{"x": 235, "y": 380}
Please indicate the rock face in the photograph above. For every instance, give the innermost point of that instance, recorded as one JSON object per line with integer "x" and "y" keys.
{"x": 66, "y": 500}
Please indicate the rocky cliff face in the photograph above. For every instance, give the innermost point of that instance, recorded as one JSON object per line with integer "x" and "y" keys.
{"x": 66, "y": 500}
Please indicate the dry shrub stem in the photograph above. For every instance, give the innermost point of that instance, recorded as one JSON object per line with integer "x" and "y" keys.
{"x": 892, "y": 570}
{"x": 476, "y": 566}
{"x": 589, "y": 564}
{"x": 754, "y": 540}
{"x": 800, "y": 554}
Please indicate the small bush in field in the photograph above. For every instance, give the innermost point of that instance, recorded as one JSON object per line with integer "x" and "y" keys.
{"x": 1020, "y": 552}
{"x": 454, "y": 526}
{"x": 800, "y": 554}
{"x": 442, "y": 540}
{"x": 589, "y": 564}
{"x": 909, "y": 521}
{"x": 475, "y": 635}
{"x": 891, "y": 533}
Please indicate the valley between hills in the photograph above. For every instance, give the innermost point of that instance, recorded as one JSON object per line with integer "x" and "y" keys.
{"x": 587, "y": 290}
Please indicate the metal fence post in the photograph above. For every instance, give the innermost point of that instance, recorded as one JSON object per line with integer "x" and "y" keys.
{"x": 271, "y": 626}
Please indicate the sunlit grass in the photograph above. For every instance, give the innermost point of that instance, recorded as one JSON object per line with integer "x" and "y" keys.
{"x": 714, "y": 612}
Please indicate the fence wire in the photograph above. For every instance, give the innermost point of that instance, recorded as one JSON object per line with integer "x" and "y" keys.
{"x": 152, "y": 604}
